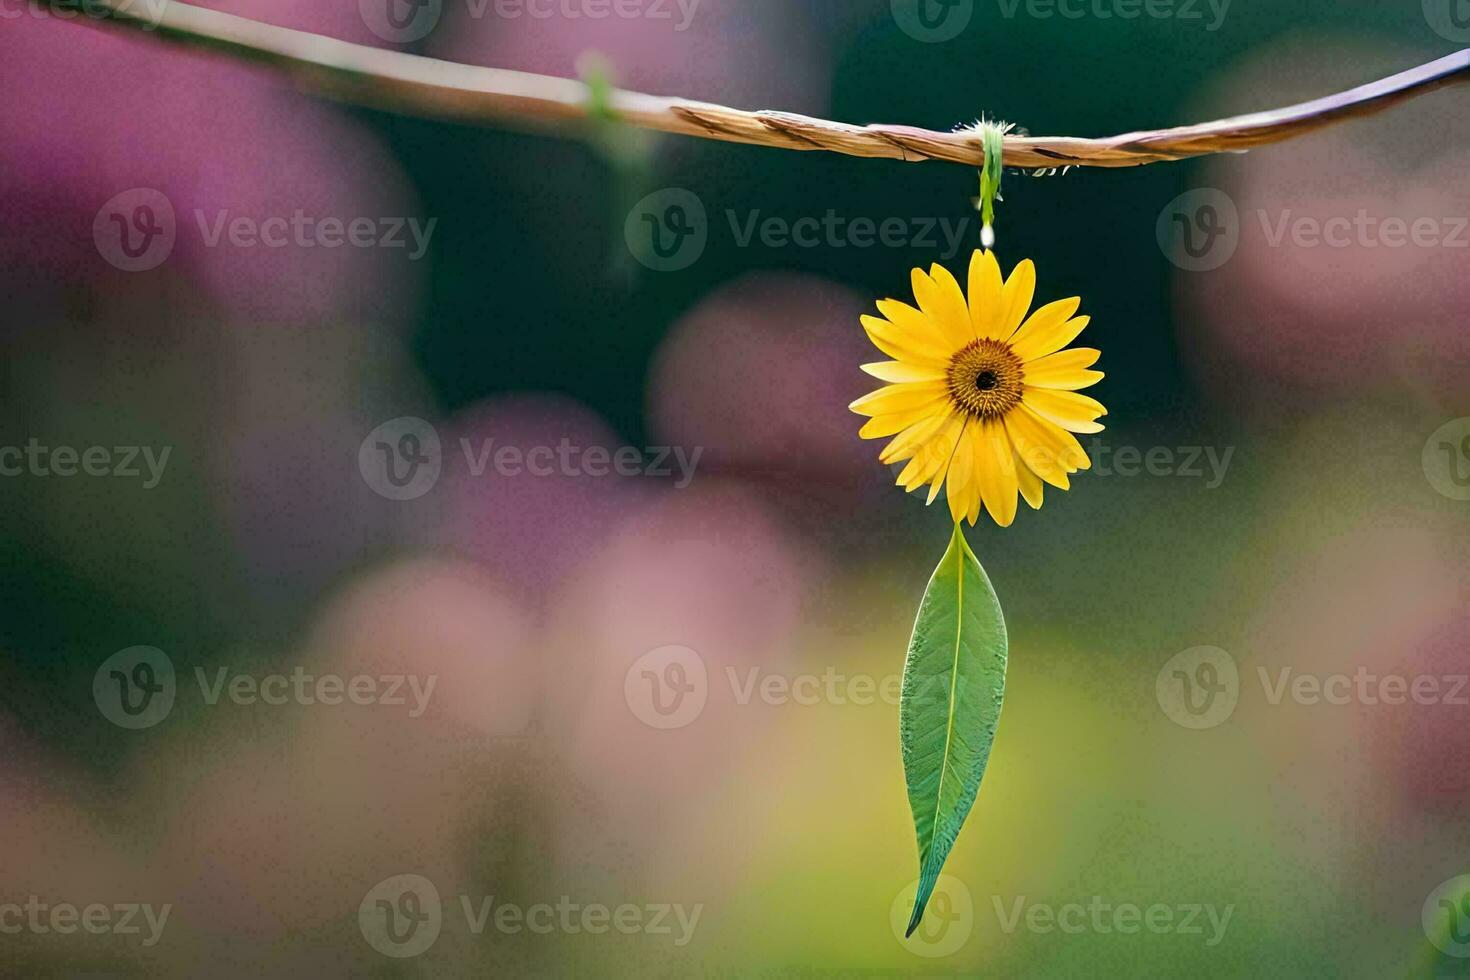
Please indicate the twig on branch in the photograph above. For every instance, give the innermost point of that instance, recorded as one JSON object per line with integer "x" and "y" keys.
{"x": 415, "y": 85}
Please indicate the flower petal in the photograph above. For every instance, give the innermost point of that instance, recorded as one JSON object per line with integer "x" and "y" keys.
{"x": 1065, "y": 370}
{"x": 1070, "y": 381}
{"x": 1071, "y": 411}
{"x": 914, "y": 322}
{"x": 985, "y": 289}
{"x": 1016, "y": 297}
{"x": 913, "y": 437}
{"x": 898, "y": 372}
{"x": 892, "y": 399}
{"x": 880, "y": 426}
{"x": 1031, "y": 486}
{"x": 1048, "y": 451}
{"x": 943, "y": 453}
{"x": 995, "y": 471}
{"x": 940, "y": 296}
{"x": 903, "y": 344}
{"x": 926, "y": 461}
{"x": 962, "y": 485}
{"x": 1048, "y": 329}
{"x": 919, "y": 471}
{"x": 940, "y": 453}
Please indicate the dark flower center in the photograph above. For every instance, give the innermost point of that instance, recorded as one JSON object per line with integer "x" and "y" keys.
{"x": 986, "y": 379}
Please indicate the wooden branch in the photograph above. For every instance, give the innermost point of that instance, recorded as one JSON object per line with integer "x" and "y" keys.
{"x": 414, "y": 85}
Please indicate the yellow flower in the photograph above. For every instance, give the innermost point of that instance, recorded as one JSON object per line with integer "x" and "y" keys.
{"x": 978, "y": 400}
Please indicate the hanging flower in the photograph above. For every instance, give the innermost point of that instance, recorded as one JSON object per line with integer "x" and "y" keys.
{"x": 979, "y": 401}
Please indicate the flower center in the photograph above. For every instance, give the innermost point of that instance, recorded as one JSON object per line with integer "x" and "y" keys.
{"x": 985, "y": 379}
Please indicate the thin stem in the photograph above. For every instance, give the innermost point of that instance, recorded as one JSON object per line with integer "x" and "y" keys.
{"x": 414, "y": 85}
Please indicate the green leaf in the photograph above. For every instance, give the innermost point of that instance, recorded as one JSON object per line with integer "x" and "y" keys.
{"x": 953, "y": 684}
{"x": 992, "y": 139}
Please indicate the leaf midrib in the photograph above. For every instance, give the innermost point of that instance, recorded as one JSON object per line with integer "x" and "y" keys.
{"x": 954, "y": 673}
